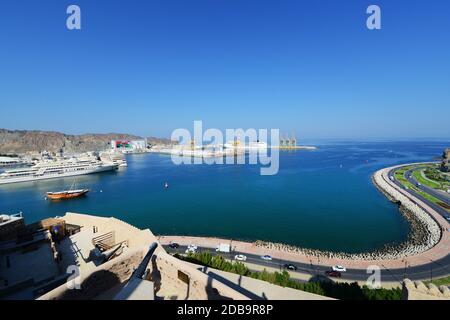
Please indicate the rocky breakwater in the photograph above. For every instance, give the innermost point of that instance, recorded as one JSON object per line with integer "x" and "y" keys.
{"x": 424, "y": 234}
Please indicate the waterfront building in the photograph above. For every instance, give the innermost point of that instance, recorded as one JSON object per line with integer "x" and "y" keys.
{"x": 129, "y": 146}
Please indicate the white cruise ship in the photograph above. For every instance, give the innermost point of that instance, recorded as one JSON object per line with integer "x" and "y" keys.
{"x": 56, "y": 169}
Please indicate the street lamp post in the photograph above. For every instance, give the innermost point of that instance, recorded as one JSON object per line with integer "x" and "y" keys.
{"x": 431, "y": 272}
{"x": 404, "y": 272}
{"x": 318, "y": 261}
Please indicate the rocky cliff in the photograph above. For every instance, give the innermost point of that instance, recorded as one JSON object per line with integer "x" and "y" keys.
{"x": 22, "y": 141}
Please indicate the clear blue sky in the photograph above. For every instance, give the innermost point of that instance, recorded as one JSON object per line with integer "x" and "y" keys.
{"x": 148, "y": 67}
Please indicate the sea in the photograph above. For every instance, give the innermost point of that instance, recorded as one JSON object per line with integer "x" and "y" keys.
{"x": 322, "y": 199}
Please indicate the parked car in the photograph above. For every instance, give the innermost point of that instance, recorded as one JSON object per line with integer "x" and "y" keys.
{"x": 334, "y": 274}
{"x": 240, "y": 257}
{"x": 174, "y": 245}
{"x": 266, "y": 257}
{"x": 290, "y": 266}
{"x": 339, "y": 268}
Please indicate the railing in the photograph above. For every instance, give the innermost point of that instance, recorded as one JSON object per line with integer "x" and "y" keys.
{"x": 104, "y": 241}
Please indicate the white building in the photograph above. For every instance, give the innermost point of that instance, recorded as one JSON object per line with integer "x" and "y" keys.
{"x": 129, "y": 146}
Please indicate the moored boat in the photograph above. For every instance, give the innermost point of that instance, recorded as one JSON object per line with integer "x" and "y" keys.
{"x": 67, "y": 194}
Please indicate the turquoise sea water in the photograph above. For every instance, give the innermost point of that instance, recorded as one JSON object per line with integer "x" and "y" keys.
{"x": 320, "y": 199}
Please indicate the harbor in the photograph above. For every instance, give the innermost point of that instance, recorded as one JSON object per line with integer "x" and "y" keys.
{"x": 199, "y": 197}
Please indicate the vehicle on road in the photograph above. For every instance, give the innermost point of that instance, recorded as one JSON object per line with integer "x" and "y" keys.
{"x": 174, "y": 245}
{"x": 240, "y": 257}
{"x": 339, "y": 268}
{"x": 192, "y": 248}
{"x": 290, "y": 266}
{"x": 266, "y": 257}
{"x": 223, "y": 247}
{"x": 334, "y": 274}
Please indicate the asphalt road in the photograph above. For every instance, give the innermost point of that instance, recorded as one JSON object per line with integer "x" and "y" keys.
{"x": 434, "y": 269}
{"x": 433, "y": 205}
{"x": 442, "y": 196}
{"x": 431, "y": 270}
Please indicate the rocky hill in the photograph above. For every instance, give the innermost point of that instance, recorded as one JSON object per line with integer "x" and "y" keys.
{"x": 22, "y": 141}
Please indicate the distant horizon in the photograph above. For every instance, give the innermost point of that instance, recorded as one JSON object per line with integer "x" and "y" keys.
{"x": 299, "y": 138}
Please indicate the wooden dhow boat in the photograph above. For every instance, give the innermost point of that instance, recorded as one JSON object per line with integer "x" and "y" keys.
{"x": 67, "y": 194}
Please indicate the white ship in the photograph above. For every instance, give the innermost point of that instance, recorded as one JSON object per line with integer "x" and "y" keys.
{"x": 114, "y": 157}
{"x": 250, "y": 146}
{"x": 56, "y": 169}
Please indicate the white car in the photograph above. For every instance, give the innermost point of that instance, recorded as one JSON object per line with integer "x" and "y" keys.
{"x": 339, "y": 268}
{"x": 266, "y": 257}
{"x": 240, "y": 257}
{"x": 192, "y": 248}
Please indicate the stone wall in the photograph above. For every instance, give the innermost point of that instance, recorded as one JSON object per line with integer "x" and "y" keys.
{"x": 417, "y": 290}
{"x": 9, "y": 231}
{"x": 165, "y": 274}
{"x": 100, "y": 279}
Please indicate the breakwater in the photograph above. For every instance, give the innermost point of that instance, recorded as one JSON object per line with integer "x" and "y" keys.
{"x": 424, "y": 233}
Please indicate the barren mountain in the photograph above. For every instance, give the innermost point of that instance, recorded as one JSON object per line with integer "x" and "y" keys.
{"x": 21, "y": 141}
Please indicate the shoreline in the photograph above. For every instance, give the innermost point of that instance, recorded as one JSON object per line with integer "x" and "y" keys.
{"x": 428, "y": 237}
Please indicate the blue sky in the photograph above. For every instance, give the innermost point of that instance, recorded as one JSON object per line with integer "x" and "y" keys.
{"x": 148, "y": 67}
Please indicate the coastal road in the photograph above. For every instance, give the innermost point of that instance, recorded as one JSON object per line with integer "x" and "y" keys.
{"x": 441, "y": 195}
{"x": 444, "y": 213}
{"x": 433, "y": 270}
{"x": 428, "y": 268}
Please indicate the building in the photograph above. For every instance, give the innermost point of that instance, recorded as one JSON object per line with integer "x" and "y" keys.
{"x": 445, "y": 164}
{"x": 129, "y": 146}
{"x": 80, "y": 256}
{"x": 10, "y": 226}
{"x": 417, "y": 290}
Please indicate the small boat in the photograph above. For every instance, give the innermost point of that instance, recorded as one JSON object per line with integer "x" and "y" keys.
{"x": 166, "y": 185}
{"x": 67, "y": 194}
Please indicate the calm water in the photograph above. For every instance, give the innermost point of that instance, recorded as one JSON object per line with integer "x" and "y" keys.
{"x": 311, "y": 202}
